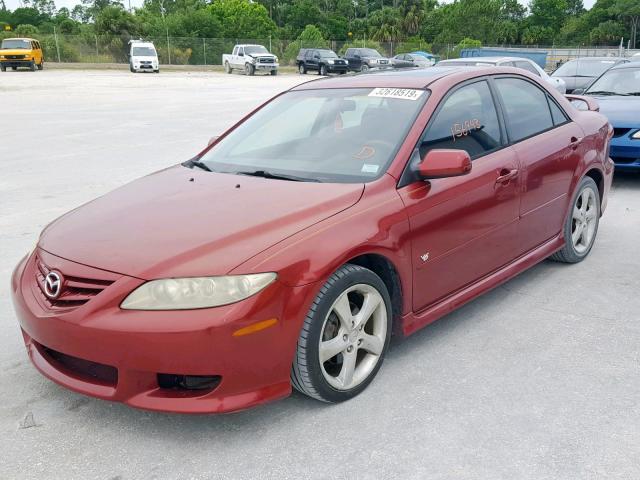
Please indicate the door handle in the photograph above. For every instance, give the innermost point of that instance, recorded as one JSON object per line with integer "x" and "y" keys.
{"x": 506, "y": 176}
{"x": 574, "y": 142}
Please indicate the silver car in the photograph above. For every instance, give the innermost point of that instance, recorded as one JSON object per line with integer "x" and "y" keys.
{"x": 517, "y": 62}
{"x": 579, "y": 73}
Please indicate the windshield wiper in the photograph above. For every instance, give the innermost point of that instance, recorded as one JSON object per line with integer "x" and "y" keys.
{"x": 196, "y": 163}
{"x": 277, "y": 176}
{"x": 603, "y": 92}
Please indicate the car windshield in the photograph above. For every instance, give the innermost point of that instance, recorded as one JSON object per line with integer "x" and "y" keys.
{"x": 16, "y": 44}
{"x": 327, "y": 54}
{"x": 330, "y": 135}
{"x": 255, "y": 49}
{"x": 584, "y": 68}
{"x": 369, "y": 52}
{"x": 144, "y": 52}
{"x": 623, "y": 81}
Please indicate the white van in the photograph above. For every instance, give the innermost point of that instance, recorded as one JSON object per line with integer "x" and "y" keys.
{"x": 143, "y": 57}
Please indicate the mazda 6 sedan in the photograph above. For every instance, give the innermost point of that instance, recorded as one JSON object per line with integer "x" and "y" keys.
{"x": 289, "y": 251}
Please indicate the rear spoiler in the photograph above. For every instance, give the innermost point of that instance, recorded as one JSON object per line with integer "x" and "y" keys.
{"x": 577, "y": 100}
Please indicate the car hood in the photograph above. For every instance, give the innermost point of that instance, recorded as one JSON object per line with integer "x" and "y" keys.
{"x": 145, "y": 58}
{"x": 189, "y": 222}
{"x": 621, "y": 111}
{"x": 261, "y": 55}
{"x": 15, "y": 51}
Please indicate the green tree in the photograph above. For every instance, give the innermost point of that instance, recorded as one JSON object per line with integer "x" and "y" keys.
{"x": 243, "y": 19}
{"x": 25, "y": 30}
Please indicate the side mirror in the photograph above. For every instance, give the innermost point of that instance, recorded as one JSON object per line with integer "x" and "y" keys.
{"x": 212, "y": 140}
{"x": 442, "y": 163}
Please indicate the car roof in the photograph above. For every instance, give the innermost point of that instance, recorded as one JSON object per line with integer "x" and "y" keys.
{"x": 598, "y": 59}
{"x": 487, "y": 59}
{"x": 418, "y": 78}
{"x": 21, "y": 38}
{"x": 621, "y": 66}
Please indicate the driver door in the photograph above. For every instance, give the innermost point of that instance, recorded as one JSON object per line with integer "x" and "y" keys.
{"x": 463, "y": 228}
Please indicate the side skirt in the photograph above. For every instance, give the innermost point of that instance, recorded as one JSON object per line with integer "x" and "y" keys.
{"x": 413, "y": 322}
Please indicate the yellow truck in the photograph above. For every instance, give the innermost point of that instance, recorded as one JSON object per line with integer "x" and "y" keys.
{"x": 21, "y": 52}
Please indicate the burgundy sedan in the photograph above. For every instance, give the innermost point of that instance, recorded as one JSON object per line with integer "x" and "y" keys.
{"x": 289, "y": 250}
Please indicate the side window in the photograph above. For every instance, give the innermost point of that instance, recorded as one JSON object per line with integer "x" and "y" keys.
{"x": 349, "y": 52}
{"x": 525, "y": 107}
{"x": 467, "y": 120}
{"x": 528, "y": 67}
{"x": 559, "y": 117}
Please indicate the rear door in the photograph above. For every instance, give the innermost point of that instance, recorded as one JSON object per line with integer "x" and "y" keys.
{"x": 463, "y": 228}
{"x": 355, "y": 61}
{"x": 547, "y": 144}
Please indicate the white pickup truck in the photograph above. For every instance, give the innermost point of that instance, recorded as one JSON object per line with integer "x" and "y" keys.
{"x": 250, "y": 59}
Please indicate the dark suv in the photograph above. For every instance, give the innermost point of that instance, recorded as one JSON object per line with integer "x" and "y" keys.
{"x": 362, "y": 59}
{"x": 321, "y": 60}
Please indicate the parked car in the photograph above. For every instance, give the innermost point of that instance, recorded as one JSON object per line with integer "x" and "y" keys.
{"x": 143, "y": 57}
{"x": 335, "y": 214}
{"x": 524, "y": 63}
{"x": 363, "y": 59}
{"x": 618, "y": 94}
{"x": 321, "y": 60}
{"x": 409, "y": 60}
{"x": 579, "y": 73}
{"x": 21, "y": 52}
{"x": 250, "y": 59}
{"x": 433, "y": 59}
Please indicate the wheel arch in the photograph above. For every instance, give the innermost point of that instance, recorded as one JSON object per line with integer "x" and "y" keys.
{"x": 597, "y": 177}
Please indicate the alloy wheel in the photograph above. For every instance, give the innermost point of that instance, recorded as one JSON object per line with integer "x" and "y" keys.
{"x": 584, "y": 220}
{"x": 353, "y": 337}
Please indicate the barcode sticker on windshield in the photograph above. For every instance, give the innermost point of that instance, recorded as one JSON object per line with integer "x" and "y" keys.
{"x": 403, "y": 93}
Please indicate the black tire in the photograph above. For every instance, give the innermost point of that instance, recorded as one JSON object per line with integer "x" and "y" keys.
{"x": 569, "y": 254}
{"x": 249, "y": 69}
{"x": 131, "y": 68}
{"x": 302, "y": 69}
{"x": 323, "y": 70}
{"x": 3, "y": 68}
{"x": 14, "y": 68}
{"x": 41, "y": 66}
{"x": 227, "y": 67}
{"x": 306, "y": 371}
{"x": 274, "y": 72}
{"x": 364, "y": 67}
{"x": 32, "y": 66}
{"x": 156, "y": 71}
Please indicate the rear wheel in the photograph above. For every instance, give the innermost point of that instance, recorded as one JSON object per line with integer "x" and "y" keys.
{"x": 302, "y": 69}
{"x": 344, "y": 337}
{"x": 581, "y": 226}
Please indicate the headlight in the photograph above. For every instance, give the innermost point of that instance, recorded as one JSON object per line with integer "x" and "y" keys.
{"x": 1, "y": 56}
{"x": 275, "y": 59}
{"x": 199, "y": 292}
{"x": 636, "y": 135}
{"x": 330, "y": 62}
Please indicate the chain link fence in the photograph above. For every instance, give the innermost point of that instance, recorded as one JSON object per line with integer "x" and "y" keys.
{"x": 208, "y": 51}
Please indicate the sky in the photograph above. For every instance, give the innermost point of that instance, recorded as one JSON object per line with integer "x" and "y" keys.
{"x": 13, "y": 4}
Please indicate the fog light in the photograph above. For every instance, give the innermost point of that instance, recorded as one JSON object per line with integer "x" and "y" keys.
{"x": 188, "y": 382}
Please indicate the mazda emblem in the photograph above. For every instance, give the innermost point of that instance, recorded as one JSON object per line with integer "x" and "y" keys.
{"x": 53, "y": 285}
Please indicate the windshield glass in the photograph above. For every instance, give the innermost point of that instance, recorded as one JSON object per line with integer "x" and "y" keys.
{"x": 622, "y": 82}
{"x": 369, "y": 52}
{"x": 255, "y": 49}
{"x": 327, "y": 54}
{"x": 16, "y": 44}
{"x": 332, "y": 135}
{"x": 144, "y": 52}
{"x": 583, "y": 68}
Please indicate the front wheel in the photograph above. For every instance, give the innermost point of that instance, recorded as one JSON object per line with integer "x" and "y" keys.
{"x": 249, "y": 69}
{"x": 323, "y": 70}
{"x": 581, "y": 226}
{"x": 274, "y": 72}
{"x": 41, "y": 66}
{"x": 344, "y": 337}
{"x": 32, "y": 66}
{"x": 364, "y": 67}
{"x": 3, "y": 68}
{"x": 227, "y": 67}
{"x": 302, "y": 69}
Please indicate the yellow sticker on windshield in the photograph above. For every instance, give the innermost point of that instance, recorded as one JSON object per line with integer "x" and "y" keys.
{"x": 403, "y": 93}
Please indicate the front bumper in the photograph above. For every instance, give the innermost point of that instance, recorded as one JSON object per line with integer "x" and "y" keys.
{"x": 134, "y": 347}
{"x": 16, "y": 63}
{"x": 266, "y": 66}
{"x": 625, "y": 152}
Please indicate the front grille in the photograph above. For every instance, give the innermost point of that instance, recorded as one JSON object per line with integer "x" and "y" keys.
{"x": 76, "y": 291}
{"x": 145, "y": 62}
{"x": 15, "y": 57}
{"x": 619, "y": 132}
{"x": 383, "y": 62}
{"x": 86, "y": 370}
{"x": 266, "y": 60}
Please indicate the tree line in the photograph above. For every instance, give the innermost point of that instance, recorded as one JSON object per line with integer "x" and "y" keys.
{"x": 488, "y": 22}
